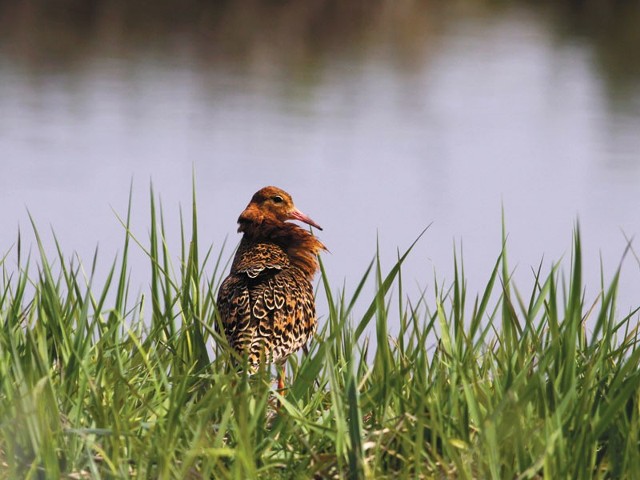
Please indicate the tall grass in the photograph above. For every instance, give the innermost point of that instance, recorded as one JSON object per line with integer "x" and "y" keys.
{"x": 96, "y": 383}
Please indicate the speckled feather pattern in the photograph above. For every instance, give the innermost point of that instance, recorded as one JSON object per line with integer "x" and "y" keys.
{"x": 266, "y": 304}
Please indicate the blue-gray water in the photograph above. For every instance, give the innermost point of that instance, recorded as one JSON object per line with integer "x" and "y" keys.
{"x": 378, "y": 122}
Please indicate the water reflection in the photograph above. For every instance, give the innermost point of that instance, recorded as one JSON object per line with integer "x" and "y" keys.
{"x": 379, "y": 117}
{"x": 282, "y": 38}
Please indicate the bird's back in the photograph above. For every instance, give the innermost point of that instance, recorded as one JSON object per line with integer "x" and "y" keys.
{"x": 266, "y": 303}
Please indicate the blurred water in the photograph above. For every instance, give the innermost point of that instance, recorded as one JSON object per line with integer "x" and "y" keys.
{"x": 379, "y": 122}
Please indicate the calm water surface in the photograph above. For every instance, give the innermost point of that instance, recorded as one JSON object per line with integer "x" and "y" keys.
{"x": 379, "y": 122}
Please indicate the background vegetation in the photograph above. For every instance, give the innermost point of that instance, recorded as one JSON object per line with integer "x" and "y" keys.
{"x": 97, "y": 383}
{"x": 295, "y": 37}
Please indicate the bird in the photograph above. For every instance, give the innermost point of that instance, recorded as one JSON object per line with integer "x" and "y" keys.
{"x": 266, "y": 303}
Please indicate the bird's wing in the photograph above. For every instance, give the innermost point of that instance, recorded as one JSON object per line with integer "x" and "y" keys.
{"x": 235, "y": 310}
{"x": 282, "y": 305}
{"x": 252, "y": 266}
{"x": 273, "y": 314}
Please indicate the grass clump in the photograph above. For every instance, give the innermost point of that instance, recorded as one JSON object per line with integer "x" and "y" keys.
{"x": 95, "y": 383}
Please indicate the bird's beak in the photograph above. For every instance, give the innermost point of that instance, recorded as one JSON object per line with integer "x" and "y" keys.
{"x": 298, "y": 215}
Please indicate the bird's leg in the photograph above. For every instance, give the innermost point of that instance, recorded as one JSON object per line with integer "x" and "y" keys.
{"x": 281, "y": 375}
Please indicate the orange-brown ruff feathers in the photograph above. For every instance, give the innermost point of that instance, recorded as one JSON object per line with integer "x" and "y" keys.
{"x": 266, "y": 303}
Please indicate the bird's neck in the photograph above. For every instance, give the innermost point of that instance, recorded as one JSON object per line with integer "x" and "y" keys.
{"x": 300, "y": 245}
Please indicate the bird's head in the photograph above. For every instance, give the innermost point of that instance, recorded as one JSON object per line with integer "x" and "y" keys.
{"x": 272, "y": 205}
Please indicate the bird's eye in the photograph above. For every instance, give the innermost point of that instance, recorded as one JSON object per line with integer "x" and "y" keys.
{"x": 277, "y": 199}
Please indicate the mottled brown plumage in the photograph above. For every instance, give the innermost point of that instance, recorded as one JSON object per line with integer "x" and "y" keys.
{"x": 266, "y": 303}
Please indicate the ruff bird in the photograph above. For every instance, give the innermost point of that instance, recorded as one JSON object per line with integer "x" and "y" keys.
{"x": 266, "y": 304}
